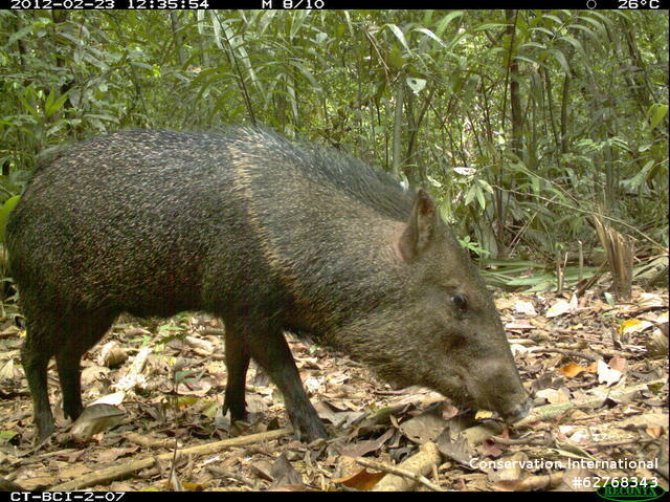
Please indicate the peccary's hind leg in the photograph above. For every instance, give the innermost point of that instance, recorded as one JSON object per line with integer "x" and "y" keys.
{"x": 269, "y": 349}
{"x": 35, "y": 355}
{"x": 80, "y": 333}
{"x": 237, "y": 363}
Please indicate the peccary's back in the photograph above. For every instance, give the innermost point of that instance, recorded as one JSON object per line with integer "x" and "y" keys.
{"x": 154, "y": 222}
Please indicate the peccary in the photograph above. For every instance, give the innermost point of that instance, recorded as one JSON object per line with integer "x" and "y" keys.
{"x": 270, "y": 237}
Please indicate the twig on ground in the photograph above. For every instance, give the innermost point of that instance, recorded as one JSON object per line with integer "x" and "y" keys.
{"x": 571, "y": 353}
{"x": 116, "y": 472}
{"x": 413, "y": 470}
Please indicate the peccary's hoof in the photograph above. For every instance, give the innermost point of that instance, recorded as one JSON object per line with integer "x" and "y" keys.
{"x": 44, "y": 432}
{"x": 310, "y": 431}
{"x": 73, "y": 412}
{"x": 42, "y": 438}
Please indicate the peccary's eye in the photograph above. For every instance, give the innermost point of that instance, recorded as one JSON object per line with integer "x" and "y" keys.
{"x": 460, "y": 302}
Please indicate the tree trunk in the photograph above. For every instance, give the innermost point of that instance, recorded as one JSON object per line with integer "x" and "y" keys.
{"x": 564, "y": 113}
{"x": 515, "y": 93}
{"x": 397, "y": 124}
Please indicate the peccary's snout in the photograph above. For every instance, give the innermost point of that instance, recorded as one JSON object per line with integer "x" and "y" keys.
{"x": 497, "y": 387}
{"x": 519, "y": 411}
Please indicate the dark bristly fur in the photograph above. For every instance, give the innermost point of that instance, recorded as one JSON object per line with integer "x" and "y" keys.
{"x": 268, "y": 236}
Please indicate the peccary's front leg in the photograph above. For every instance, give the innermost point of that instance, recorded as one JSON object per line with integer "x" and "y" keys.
{"x": 270, "y": 350}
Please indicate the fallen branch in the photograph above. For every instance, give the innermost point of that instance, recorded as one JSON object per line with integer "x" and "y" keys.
{"x": 130, "y": 380}
{"x": 117, "y": 472}
{"x": 537, "y": 440}
{"x": 521, "y": 341}
{"x": 555, "y": 410}
{"x": 410, "y": 472}
{"x": 147, "y": 441}
{"x": 480, "y": 433}
{"x": 565, "y": 352}
{"x": 213, "y": 331}
{"x": 531, "y": 483}
{"x": 615, "y": 444}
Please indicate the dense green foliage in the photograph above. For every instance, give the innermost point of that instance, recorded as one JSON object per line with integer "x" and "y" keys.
{"x": 558, "y": 114}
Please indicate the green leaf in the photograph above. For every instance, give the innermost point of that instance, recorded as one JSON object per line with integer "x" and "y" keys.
{"x": 586, "y": 30}
{"x": 350, "y": 24}
{"x": 184, "y": 376}
{"x": 31, "y": 109}
{"x": 433, "y": 181}
{"x": 638, "y": 180}
{"x": 480, "y": 197}
{"x": 535, "y": 183}
{"x": 604, "y": 19}
{"x": 306, "y": 73}
{"x": 534, "y": 45}
{"x": 469, "y": 197}
{"x": 432, "y": 35}
{"x": 446, "y": 20}
{"x": 18, "y": 35}
{"x": 658, "y": 113}
{"x": 597, "y": 25}
{"x": 399, "y": 35}
{"x": 7, "y": 436}
{"x": 575, "y": 43}
{"x": 490, "y": 26}
{"x": 454, "y": 42}
{"x": 562, "y": 60}
{"x": 298, "y": 20}
{"x": 395, "y": 59}
{"x": 5, "y": 210}
{"x": 526, "y": 59}
{"x": 54, "y": 104}
{"x": 553, "y": 18}
{"x": 545, "y": 31}
{"x": 485, "y": 186}
{"x": 265, "y": 19}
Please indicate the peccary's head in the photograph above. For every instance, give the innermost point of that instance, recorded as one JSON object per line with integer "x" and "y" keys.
{"x": 441, "y": 328}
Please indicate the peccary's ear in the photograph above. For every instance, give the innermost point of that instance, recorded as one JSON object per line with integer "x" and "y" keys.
{"x": 420, "y": 227}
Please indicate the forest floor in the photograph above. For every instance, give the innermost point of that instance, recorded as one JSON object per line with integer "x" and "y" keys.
{"x": 599, "y": 374}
